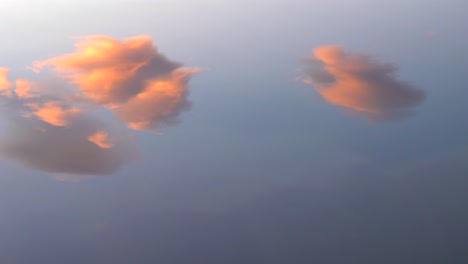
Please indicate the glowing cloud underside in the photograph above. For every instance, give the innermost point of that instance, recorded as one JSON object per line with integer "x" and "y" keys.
{"x": 360, "y": 84}
{"x": 53, "y": 127}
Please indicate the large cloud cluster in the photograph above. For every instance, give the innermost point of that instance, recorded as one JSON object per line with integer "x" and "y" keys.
{"x": 59, "y": 131}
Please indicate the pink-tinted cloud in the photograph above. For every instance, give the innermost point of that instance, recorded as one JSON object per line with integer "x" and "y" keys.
{"x": 360, "y": 84}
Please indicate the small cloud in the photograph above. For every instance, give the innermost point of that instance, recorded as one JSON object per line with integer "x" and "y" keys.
{"x": 361, "y": 85}
{"x": 23, "y": 89}
{"x": 101, "y": 139}
{"x": 54, "y": 112}
{"x": 4, "y": 83}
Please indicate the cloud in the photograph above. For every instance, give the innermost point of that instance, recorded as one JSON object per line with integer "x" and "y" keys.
{"x": 54, "y": 112}
{"x": 53, "y": 126}
{"x": 4, "y": 83}
{"x": 101, "y": 139}
{"x": 59, "y": 149}
{"x": 358, "y": 83}
{"x": 51, "y": 135}
{"x": 159, "y": 104}
{"x": 24, "y": 89}
{"x": 129, "y": 77}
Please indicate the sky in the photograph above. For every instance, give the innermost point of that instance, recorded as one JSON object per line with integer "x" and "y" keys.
{"x": 256, "y": 131}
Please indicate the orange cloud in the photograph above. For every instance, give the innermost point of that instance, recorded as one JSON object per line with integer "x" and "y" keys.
{"x": 53, "y": 112}
{"x": 4, "y": 83}
{"x": 23, "y": 89}
{"x": 52, "y": 127}
{"x": 358, "y": 83}
{"x": 109, "y": 71}
{"x": 159, "y": 104}
{"x": 129, "y": 77}
{"x": 101, "y": 139}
